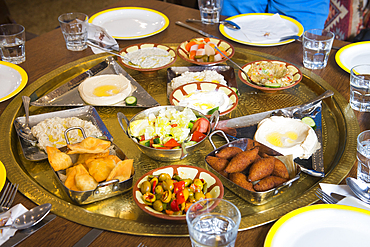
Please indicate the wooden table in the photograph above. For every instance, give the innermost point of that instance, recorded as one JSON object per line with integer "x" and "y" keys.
{"x": 48, "y": 52}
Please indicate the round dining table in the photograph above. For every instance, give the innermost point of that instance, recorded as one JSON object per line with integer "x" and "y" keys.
{"x": 48, "y": 52}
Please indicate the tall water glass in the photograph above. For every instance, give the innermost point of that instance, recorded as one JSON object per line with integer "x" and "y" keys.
{"x": 363, "y": 156}
{"x": 316, "y": 48}
{"x": 210, "y": 10}
{"x": 74, "y": 28}
{"x": 360, "y": 88}
{"x": 213, "y": 222}
{"x": 12, "y": 43}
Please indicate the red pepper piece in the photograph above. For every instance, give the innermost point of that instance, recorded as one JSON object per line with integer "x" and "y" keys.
{"x": 178, "y": 186}
{"x": 180, "y": 197}
{"x": 175, "y": 206}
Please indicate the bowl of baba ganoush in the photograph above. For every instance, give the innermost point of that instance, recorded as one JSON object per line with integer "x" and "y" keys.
{"x": 147, "y": 57}
{"x": 270, "y": 75}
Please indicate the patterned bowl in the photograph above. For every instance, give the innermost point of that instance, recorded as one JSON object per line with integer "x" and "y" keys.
{"x": 215, "y": 187}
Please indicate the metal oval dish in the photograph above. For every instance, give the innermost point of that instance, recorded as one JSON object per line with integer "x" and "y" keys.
{"x": 136, "y": 47}
{"x": 297, "y": 76}
{"x": 255, "y": 198}
{"x": 229, "y": 50}
{"x": 214, "y": 184}
{"x": 105, "y": 189}
{"x": 162, "y": 154}
{"x": 179, "y": 93}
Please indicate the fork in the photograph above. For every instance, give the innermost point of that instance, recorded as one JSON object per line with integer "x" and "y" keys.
{"x": 325, "y": 197}
{"x": 141, "y": 245}
{"x": 7, "y": 197}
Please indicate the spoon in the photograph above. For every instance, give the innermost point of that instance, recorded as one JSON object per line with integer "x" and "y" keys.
{"x": 30, "y": 218}
{"x": 25, "y": 130}
{"x": 360, "y": 189}
{"x": 229, "y": 24}
{"x": 237, "y": 65}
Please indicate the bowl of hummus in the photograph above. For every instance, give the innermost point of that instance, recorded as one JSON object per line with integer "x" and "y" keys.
{"x": 147, "y": 57}
{"x": 270, "y": 75}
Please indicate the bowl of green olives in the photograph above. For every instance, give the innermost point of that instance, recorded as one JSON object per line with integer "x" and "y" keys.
{"x": 167, "y": 192}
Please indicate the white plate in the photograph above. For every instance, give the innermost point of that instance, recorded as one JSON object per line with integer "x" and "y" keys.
{"x": 354, "y": 54}
{"x": 321, "y": 225}
{"x": 239, "y": 37}
{"x": 131, "y": 22}
{"x": 12, "y": 80}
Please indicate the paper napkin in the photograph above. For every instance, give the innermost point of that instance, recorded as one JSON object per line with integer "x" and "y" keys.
{"x": 268, "y": 30}
{"x": 99, "y": 35}
{"x": 11, "y": 215}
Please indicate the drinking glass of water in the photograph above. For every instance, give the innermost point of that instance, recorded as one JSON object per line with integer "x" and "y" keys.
{"x": 363, "y": 156}
{"x": 74, "y": 29}
{"x": 213, "y": 222}
{"x": 210, "y": 10}
{"x": 12, "y": 43}
{"x": 316, "y": 48}
{"x": 360, "y": 88}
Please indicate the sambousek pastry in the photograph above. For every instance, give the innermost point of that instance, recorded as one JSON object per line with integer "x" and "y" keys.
{"x": 287, "y": 136}
{"x": 57, "y": 159}
{"x": 89, "y": 145}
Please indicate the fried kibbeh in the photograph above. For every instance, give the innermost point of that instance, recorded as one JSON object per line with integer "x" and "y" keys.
{"x": 261, "y": 169}
{"x": 228, "y": 152}
{"x": 241, "y": 180}
{"x": 223, "y": 173}
{"x": 57, "y": 159}
{"x": 269, "y": 183}
{"x": 89, "y": 145}
{"x": 280, "y": 169}
{"x": 242, "y": 160}
{"x": 217, "y": 163}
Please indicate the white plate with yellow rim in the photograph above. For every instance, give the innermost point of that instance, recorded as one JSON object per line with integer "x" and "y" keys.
{"x": 353, "y": 54}
{"x": 12, "y": 80}
{"x": 244, "y": 19}
{"x": 131, "y": 22}
{"x": 321, "y": 225}
{"x": 2, "y": 175}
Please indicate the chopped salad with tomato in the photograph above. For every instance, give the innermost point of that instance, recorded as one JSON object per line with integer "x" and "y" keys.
{"x": 169, "y": 129}
{"x": 203, "y": 50}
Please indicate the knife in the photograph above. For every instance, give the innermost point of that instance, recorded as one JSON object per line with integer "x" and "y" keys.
{"x": 196, "y": 30}
{"x": 88, "y": 238}
{"x": 23, "y": 234}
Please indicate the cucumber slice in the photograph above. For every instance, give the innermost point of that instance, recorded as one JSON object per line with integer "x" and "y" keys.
{"x": 131, "y": 100}
{"x": 235, "y": 90}
{"x": 145, "y": 143}
{"x": 272, "y": 85}
{"x": 309, "y": 121}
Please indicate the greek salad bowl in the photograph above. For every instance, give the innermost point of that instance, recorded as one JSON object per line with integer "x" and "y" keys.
{"x": 161, "y": 192}
{"x": 147, "y": 57}
{"x": 201, "y": 51}
{"x": 270, "y": 76}
{"x": 168, "y": 133}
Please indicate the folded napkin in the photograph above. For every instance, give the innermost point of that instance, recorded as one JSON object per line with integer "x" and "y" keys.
{"x": 10, "y": 216}
{"x": 268, "y": 30}
{"x": 99, "y": 36}
{"x": 344, "y": 190}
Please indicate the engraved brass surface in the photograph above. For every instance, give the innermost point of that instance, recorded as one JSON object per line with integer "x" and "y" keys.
{"x": 120, "y": 214}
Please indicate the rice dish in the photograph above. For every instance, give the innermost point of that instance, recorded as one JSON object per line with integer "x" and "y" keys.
{"x": 206, "y": 75}
{"x": 50, "y": 132}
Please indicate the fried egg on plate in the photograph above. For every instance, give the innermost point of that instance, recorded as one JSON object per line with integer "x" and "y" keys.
{"x": 287, "y": 136}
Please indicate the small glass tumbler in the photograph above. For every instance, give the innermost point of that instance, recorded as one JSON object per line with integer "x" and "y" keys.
{"x": 360, "y": 88}
{"x": 316, "y": 48}
{"x": 363, "y": 156}
{"x": 210, "y": 11}
{"x": 74, "y": 29}
{"x": 12, "y": 43}
{"x": 213, "y": 222}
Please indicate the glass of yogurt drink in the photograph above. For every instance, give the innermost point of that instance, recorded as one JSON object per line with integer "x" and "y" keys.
{"x": 213, "y": 222}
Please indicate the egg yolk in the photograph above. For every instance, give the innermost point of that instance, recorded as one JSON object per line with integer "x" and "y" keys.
{"x": 106, "y": 90}
{"x": 280, "y": 140}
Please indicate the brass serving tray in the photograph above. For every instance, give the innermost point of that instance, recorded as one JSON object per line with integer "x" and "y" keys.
{"x": 120, "y": 213}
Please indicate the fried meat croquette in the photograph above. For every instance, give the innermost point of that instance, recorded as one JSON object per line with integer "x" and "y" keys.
{"x": 280, "y": 169}
{"x": 216, "y": 163}
{"x": 228, "y": 152}
{"x": 261, "y": 169}
{"x": 242, "y": 160}
{"x": 269, "y": 183}
{"x": 241, "y": 180}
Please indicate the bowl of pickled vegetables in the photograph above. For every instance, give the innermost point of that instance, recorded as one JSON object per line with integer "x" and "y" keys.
{"x": 159, "y": 132}
{"x": 201, "y": 51}
{"x": 168, "y": 192}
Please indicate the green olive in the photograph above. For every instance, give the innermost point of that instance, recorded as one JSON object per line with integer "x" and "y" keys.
{"x": 177, "y": 213}
{"x": 199, "y": 196}
{"x": 145, "y": 187}
{"x": 159, "y": 189}
{"x": 187, "y": 181}
{"x": 158, "y": 205}
{"x": 167, "y": 184}
{"x": 163, "y": 177}
{"x": 191, "y": 193}
{"x": 191, "y": 199}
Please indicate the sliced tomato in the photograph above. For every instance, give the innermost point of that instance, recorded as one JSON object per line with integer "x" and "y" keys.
{"x": 201, "y": 125}
{"x": 142, "y": 138}
{"x": 171, "y": 143}
{"x": 198, "y": 136}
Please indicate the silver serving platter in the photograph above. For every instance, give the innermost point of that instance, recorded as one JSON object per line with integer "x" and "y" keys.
{"x": 88, "y": 113}
{"x": 68, "y": 95}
